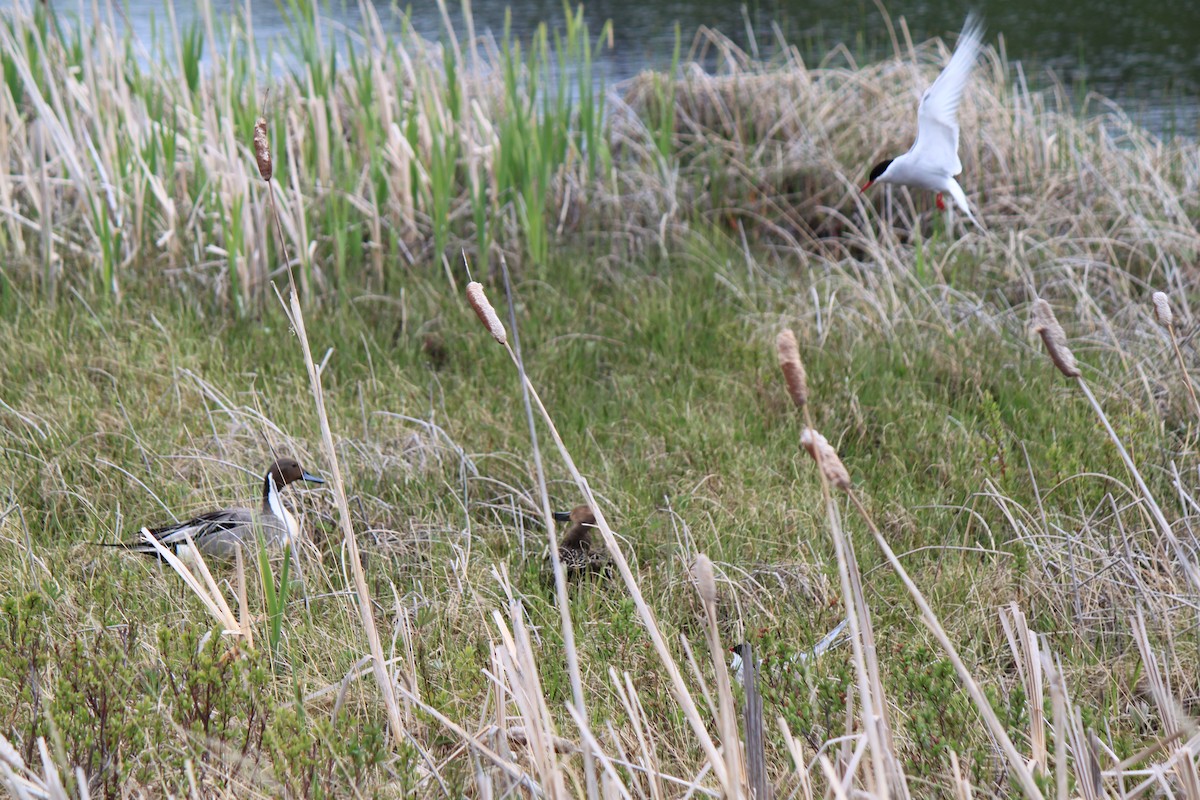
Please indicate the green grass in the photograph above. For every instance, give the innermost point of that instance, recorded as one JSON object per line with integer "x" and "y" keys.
{"x": 663, "y": 383}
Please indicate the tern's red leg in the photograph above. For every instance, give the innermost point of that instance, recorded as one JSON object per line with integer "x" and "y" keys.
{"x": 941, "y": 205}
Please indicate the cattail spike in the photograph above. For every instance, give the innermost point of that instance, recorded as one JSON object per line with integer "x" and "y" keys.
{"x": 262, "y": 149}
{"x": 485, "y": 312}
{"x": 705, "y": 581}
{"x": 788, "y": 352}
{"x": 823, "y": 453}
{"x": 1046, "y": 325}
{"x": 1162, "y": 309}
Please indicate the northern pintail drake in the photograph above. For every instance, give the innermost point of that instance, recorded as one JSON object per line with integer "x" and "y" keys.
{"x": 219, "y": 533}
{"x": 576, "y": 549}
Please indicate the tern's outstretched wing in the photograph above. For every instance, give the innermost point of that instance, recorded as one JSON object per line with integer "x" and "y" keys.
{"x": 937, "y": 116}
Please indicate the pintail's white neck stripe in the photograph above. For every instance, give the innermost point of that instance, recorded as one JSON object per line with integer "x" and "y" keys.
{"x": 281, "y": 513}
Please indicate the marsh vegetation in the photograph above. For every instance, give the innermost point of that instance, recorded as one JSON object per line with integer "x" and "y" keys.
{"x": 654, "y": 239}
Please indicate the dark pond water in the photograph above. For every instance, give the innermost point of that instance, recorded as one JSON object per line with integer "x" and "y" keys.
{"x": 1144, "y": 54}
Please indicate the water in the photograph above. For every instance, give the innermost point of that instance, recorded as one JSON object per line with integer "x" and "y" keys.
{"x": 1145, "y": 55}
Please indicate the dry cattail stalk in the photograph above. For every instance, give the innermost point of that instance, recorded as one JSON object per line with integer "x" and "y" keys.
{"x": 793, "y": 368}
{"x": 485, "y": 312}
{"x": 1046, "y": 325}
{"x": 262, "y": 149}
{"x": 1162, "y": 309}
{"x": 702, "y": 569}
{"x": 831, "y": 464}
{"x": 1166, "y": 318}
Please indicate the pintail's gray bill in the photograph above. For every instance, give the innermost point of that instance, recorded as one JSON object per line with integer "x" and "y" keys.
{"x": 308, "y": 476}
{"x": 562, "y": 516}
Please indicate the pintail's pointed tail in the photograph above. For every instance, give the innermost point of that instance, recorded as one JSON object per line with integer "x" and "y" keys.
{"x": 143, "y": 547}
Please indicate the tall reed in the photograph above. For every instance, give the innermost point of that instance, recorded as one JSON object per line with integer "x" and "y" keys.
{"x": 366, "y": 612}
{"x": 513, "y": 135}
{"x": 401, "y": 151}
{"x": 487, "y": 315}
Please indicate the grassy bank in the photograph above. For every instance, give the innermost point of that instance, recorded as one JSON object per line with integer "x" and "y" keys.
{"x": 983, "y": 468}
{"x": 658, "y": 246}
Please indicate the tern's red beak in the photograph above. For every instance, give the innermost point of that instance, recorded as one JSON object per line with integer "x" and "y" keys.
{"x": 867, "y": 185}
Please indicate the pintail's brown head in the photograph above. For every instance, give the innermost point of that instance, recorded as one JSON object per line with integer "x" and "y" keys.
{"x": 287, "y": 470}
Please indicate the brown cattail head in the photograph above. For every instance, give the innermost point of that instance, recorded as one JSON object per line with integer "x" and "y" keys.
{"x": 485, "y": 312}
{"x": 262, "y": 149}
{"x": 823, "y": 453}
{"x": 705, "y": 582}
{"x": 1162, "y": 309}
{"x": 1046, "y": 325}
{"x": 788, "y": 353}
